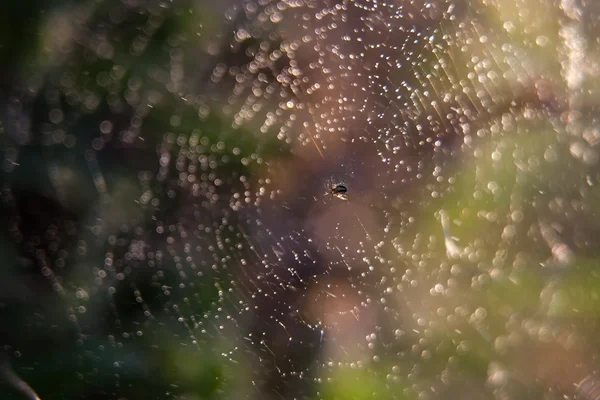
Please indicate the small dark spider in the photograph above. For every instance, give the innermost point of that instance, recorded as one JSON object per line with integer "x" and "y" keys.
{"x": 339, "y": 191}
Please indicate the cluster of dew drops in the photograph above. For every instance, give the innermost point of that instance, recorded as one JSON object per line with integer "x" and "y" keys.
{"x": 427, "y": 87}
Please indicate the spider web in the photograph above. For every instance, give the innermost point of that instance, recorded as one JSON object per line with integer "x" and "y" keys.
{"x": 170, "y": 228}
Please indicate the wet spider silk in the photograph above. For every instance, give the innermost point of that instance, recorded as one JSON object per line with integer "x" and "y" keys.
{"x": 166, "y": 233}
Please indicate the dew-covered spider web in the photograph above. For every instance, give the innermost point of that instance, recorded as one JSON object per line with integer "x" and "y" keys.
{"x": 299, "y": 199}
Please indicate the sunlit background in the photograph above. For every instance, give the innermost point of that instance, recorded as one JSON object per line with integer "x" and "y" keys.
{"x": 299, "y": 199}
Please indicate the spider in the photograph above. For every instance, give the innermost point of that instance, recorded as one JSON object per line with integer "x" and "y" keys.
{"x": 339, "y": 190}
